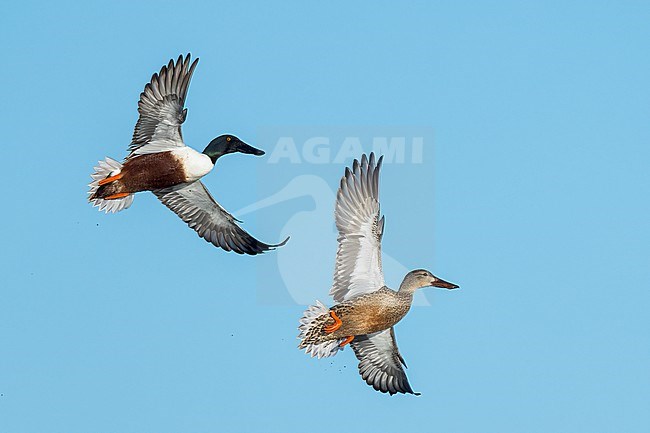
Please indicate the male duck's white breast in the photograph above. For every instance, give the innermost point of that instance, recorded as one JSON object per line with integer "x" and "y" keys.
{"x": 195, "y": 164}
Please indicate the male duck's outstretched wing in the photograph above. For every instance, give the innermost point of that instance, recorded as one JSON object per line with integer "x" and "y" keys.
{"x": 194, "y": 204}
{"x": 161, "y": 109}
{"x": 358, "y": 259}
{"x": 380, "y": 363}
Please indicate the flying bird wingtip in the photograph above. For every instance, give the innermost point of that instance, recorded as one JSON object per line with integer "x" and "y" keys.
{"x": 283, "y": 243}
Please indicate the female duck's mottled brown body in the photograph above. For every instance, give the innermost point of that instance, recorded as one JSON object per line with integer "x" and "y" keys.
{"x": 365, "y": 314}
{"x": 372, "y": 312}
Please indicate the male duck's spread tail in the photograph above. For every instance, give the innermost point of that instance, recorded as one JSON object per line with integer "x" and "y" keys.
{"x": 106, "y": 190}
{"x": 314, "y": 332}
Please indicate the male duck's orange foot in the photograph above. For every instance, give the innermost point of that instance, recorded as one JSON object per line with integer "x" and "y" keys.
{"x": 118, "y": 176}
{"x": 346, "y": 341}
{"x": 337, "y": 323}
{"x": 116, "y": 196}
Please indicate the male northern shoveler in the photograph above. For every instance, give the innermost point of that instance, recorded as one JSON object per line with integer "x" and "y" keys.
{"x": 367, "y": 310}
{"x": 160, "y": 162}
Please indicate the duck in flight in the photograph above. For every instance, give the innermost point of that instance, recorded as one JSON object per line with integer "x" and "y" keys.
{"x": 160, "y": 162}
{"x": 366, "y": 309}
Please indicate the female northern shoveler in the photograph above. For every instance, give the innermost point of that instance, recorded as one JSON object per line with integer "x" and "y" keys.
{"x": 367, "y": 310}
{"x": 160, "y": 162}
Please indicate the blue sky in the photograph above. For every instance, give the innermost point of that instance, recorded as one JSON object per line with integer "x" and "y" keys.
{"x": 536, "y": 200}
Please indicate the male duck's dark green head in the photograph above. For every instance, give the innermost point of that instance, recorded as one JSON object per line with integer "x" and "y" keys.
{"x": 225, "y": 144}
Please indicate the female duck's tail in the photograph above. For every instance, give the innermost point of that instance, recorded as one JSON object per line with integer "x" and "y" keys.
{"x": 106, "y": 190}
{"x": 313, "y": 337}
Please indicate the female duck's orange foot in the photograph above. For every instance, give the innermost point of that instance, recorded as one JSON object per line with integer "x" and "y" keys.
{"x": 116, "y": 196}
{"x": 337, "y": 323}
{"x": 111, "y": 179}
{"x": 346, "y": 341}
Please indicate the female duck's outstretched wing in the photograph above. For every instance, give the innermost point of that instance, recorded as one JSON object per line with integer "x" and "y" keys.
{"x": 194, "y": 204}
{"x": 358, "y": 259}
{"x": 380, "y": 363}
{"x": 161, "y": 109}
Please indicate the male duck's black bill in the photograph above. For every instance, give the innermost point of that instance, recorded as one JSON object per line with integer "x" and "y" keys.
{"x": 444, "y": 284}
{"x": 246, "y": 148}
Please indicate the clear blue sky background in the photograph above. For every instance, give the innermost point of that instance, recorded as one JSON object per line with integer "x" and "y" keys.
{"x": 130, "y": 323}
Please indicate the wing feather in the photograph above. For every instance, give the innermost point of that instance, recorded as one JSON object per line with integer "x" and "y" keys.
{"x": 193, "y": 204}
{"x": 358, "y": 259}
{"x": 162, "y": 108}
{"x": 380, "y": 363}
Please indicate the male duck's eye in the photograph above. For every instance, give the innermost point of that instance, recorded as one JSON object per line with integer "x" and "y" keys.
{"x": 228, "y": 138}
